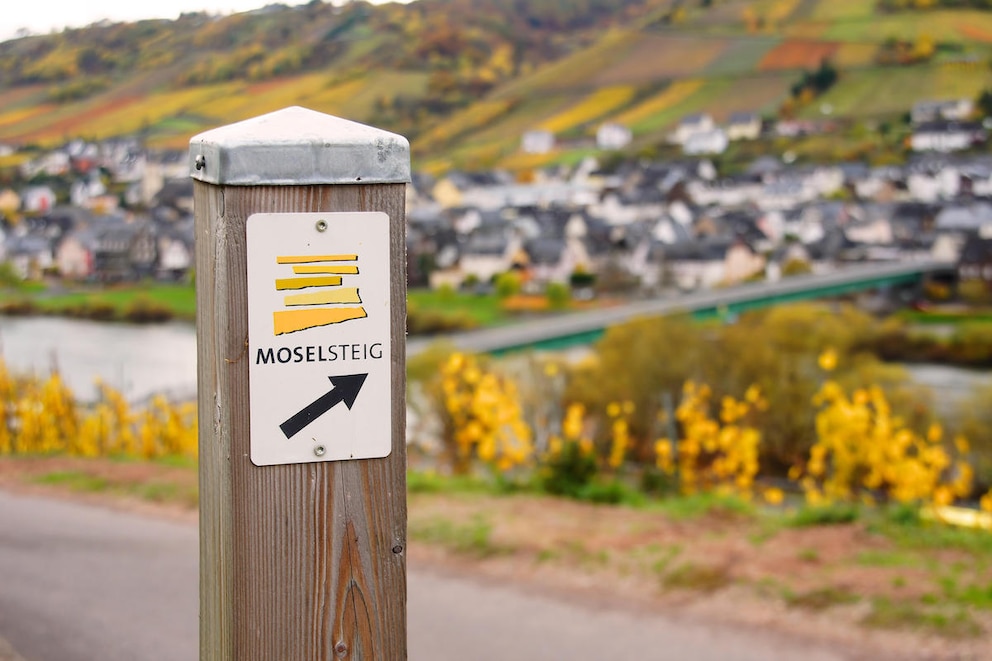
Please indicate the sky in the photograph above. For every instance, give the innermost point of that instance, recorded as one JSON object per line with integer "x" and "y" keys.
{"x": 43, "y": 16}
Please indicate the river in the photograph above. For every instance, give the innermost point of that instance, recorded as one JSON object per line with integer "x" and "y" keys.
{"x": 140, "y": 360}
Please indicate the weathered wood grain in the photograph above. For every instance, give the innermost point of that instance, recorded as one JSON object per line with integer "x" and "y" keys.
{"x": 302, "y": 561}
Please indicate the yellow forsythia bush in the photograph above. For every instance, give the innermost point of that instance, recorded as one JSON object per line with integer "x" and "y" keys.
{"x": 570, "y": 462}
{"x": 619, "y": 432}
{"x": 43, "y": 417}
{"x": 863, "y": 450}
{"x": 482, "y": 417}
{"x": 719, "y": 454}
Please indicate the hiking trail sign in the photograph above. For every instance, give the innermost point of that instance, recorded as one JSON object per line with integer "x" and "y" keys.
{"x": 318, "y": 336}
{"x": 301, "y": 367}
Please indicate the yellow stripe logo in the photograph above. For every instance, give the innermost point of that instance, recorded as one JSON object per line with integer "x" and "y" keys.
{"x": 323, "y": 275}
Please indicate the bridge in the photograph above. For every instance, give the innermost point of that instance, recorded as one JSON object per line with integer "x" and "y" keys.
{"x": 567, "y": 330}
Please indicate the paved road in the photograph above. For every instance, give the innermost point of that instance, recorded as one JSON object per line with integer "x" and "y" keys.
{"x": 82, "y": 583}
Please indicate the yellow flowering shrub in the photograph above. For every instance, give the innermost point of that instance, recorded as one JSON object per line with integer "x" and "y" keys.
{"x": 619, "y": 432}
{"x": 482, "y": 417}
{"x": 863, "y": 450}
{"x": 167, "y": 429}
{"x": 570, "y": 462}
{"x": 43, "y": 417}
{"x": 7, "y": 390}
{"x": 719, "y": 454}
{"x": 986, "y": 502}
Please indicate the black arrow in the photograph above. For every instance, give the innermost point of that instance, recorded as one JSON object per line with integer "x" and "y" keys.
{"x": 345, "y": 390}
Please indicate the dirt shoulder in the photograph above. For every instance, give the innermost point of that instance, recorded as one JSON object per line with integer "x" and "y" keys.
{"x": 865, "y": 593}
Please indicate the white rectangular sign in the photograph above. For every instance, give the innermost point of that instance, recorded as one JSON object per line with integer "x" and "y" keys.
{"x": 318, "y": 337}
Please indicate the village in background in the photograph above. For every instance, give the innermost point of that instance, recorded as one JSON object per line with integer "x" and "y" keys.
{"x": 110, "y": 212}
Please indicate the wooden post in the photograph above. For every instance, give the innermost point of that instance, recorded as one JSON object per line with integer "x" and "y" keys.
{"x": 305, "y": 559}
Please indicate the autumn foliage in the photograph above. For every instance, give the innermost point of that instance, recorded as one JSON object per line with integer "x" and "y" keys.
{"x": 860, "y": 449}
{"x": 42, "y": 416}
{"x": 864, "y": 451}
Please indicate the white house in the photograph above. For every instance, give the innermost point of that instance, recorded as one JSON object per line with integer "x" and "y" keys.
{"x": 826, "y": 180}
{"x": 29, "y": 255}
{"x": 82, "y": 192}
{"x": 615, "y": 212}
{"x": 785, "y": 193}
{"x": 976, "y": 218}
{"x": 175, "y": 256}
{"x": 537, "y": 141}
{"x": 691, "y": 125}
{"x": 714, "y": 141}
{"x": 741, "y": 263}
{"x": 613, "y": 136}
{"x": 38, "y": 199}
{"x": 876, "y": 231}
{"x": 947, "y": 247}
{"x": 743, "y": 126}
{"x": 950, "y": 109}
{"x": 932, "y": 184}
{"x": 880, "y": 182}
{"x": 982, "y": 186}
{"x": 728, "y": 192}
{"x": 74, "y": 256}
{"x": 946, "y": 136}
{"x": 53, "y": 163}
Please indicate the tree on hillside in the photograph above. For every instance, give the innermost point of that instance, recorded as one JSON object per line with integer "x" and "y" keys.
{"x": 984, "y": 102}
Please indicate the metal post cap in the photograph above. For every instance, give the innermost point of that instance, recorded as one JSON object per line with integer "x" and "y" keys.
{"x": 296, "y": 146}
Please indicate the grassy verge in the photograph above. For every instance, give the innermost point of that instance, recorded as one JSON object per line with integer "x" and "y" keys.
{"x": 430, "y": 311}
{"x": 465, "y": 310}
{"x": 143, "y": 302}
{"x": 154, "y": 491}
{"x": 881, "y": 568}
{"x": 172, "y": 481}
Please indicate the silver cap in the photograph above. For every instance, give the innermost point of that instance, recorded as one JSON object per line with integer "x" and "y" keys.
{"x": 295, "y": 147}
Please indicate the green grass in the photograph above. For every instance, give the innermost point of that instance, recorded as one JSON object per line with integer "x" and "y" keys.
{"x": 877, "y": 92}
{"x": 896, "y": 558}
{"x": 159, "y": 492}
{"x": 834, "y": 10}
{"x": 742, "y": 55}
{"x": 486, "y": 310}
{"x": 931, "y": 536}
{"x": 887, "y": 614}
{"x": 703, "y": 504}
{"x": 661, "y": 557}
{"x": 431, "y": 482}
{"x": 178, "y": 299}
{"x": 178, "y": 461}
{"x": 835, "y": 514}
{"x": 473, "y": 538}
{"x": 156, "y": 492}
{"x": 75, "y": 481}
{"x": 973, "y": 595}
